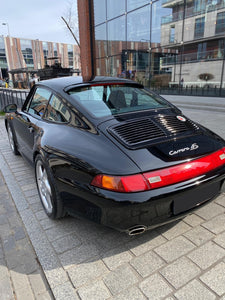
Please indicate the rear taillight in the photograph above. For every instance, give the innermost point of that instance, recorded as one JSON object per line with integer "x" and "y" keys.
{"x": 124, "y": 184}
{"x": 162, "y": 177}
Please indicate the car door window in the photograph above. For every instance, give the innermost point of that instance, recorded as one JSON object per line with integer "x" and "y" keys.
{"x": 39, "y": 102}
{"x": 57, "y": 111}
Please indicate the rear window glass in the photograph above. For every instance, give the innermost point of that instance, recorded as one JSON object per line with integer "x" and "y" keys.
{"x": 107, "y": 99}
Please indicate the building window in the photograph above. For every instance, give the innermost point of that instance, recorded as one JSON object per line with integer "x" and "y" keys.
{"x": 70, "y": 55}
{"x": 99, "y": 11}
{"x": 199, "y": 28}
{"x": 26, "y": 49}
{"x": 132, "y": 4}
{"x": 3, "y": 61}
{"x": 138, "y": 25}
{"x": 220, "y": 23}
{"x": 115, "y": 8}
{"x": 202, "y": 47}
{"x": 172, "y": 34}
{"x": 199, "y": 5}
{"x": 45, "y": 51}
{"x": 55, "y": 50}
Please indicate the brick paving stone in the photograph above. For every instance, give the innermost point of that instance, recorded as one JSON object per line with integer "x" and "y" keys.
{"x": 215, "y": 278}
{"x": 94, "y": 291}
{"x": 154, "y": 287}
{"x": 221, "y": 200}
{"x": 210, "y": 210}
{"x": 6, "y": 289}
{"x": 175, "y": 230}
{"x": 207, "y": 255}
{"x": 86, "y": 272}
{"x": 220, "y": 239}
{"x": 216, "y": 225}
{"x": 19, "y": 233}
{"x": 66, "y": 243}
{"x": 120, "y": 279}
{"x": 78, "y": 255}
{"x": 147, "y": 263}
{"x": 194, "y": 290}
{"x": 143, "y": 243}
{"x": 199, "y": 235}
{"x": 1, "y": 252}
{"x": 65, "y": 291}
{"x": 174, "y": 249}
{"x": 116, "y": 257}
{"x": 38, "y": 283}
{"x": 180, "y": 272}
{"x": 48, "y": 223}
{"x": 132, "y": 293}
{"x": 19, "y": 280}
{"x": 41, "y": 215}
{"x": 60, "y": 229}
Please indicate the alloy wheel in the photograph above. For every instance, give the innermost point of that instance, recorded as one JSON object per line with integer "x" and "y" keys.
{"x": 44, "y": 187}
{"x": 11, "y": 139}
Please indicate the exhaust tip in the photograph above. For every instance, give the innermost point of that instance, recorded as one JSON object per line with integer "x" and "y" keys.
{"x": 138, "y": 229}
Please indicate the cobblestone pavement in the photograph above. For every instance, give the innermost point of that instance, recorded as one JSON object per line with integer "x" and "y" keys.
{"x": 21, "y": 276}
{"x": 82, "y": 260}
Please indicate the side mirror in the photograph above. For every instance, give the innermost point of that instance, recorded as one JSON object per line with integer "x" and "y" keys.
{"x": 10, "y": 108}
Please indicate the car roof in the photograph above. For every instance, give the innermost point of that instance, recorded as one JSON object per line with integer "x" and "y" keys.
{"x": 65, "y": 83}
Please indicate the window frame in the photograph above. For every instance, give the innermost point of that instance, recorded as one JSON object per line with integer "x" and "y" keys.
{"x": 63, "y": 102}
{"x": 27, "y": 104}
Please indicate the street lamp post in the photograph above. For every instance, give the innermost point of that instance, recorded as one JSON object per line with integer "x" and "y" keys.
{"x": 11, "y": 44}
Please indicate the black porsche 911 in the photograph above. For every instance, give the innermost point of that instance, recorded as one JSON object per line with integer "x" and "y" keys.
{"x": 114, "y": 152}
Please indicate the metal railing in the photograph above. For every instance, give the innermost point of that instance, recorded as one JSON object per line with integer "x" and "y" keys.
{"x": 9, "y": 96}
{"x": 206, "y": 91}
{"x": 193, "y": 57}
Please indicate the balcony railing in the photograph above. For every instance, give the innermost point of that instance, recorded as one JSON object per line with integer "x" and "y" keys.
{"x": 168, "y": 1}
{"x": 191, "y": 12}
{"x": 193, "y": 57}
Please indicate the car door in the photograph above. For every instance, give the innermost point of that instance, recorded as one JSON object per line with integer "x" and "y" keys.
{"x": 25, "y": 123}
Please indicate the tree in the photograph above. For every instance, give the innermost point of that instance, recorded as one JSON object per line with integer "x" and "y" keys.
{"x": 71, "y": 20}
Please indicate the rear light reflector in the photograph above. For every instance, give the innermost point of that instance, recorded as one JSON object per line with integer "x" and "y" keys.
{"x": 162, "y": 177}
{"x": 124, "y": 184}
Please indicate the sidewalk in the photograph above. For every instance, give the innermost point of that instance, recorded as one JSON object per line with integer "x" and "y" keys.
{"x": 21, "y": 276}
{"x": 85, "y": 261}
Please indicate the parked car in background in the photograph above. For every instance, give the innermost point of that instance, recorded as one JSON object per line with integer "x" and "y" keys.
{"x": 114, "y": 152}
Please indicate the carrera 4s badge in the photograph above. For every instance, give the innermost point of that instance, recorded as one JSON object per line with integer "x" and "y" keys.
{"x": 193, "y": 147}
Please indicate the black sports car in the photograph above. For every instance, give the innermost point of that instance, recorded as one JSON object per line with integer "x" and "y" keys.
{"x": 114, "y": 152}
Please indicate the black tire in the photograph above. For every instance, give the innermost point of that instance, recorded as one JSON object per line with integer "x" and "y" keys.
{"x": 47, "y": 190}
{"x": 12, "y": 141}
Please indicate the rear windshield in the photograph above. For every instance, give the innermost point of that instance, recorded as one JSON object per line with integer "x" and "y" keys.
{"x": 107, "y": 99}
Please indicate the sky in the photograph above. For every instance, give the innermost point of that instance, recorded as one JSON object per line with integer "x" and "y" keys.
{"x": 39, "y": 19}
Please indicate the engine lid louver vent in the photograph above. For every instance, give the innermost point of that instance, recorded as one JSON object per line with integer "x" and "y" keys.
{"x": 173, "y": 125}
{"x": 138, "y": 132}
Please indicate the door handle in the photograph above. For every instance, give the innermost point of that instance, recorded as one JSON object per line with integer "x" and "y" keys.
{"x": 31, "y": 129}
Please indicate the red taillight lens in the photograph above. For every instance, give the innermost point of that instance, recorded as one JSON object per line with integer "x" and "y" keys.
{"x": 162, "y": 177}
{"x": 124, "y": 184}
{"x": 186, "y": 171}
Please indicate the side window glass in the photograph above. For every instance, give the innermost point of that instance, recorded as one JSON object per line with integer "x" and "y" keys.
{"x": 39, "y": 102}
{"x": 56, "y": 111}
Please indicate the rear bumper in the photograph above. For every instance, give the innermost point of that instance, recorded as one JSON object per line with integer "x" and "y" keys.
{"x": 123, "y": 211}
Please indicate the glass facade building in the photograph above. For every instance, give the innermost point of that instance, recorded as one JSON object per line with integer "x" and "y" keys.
{"x": 3, "y": 60}
{"x": 164, "y": 43}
